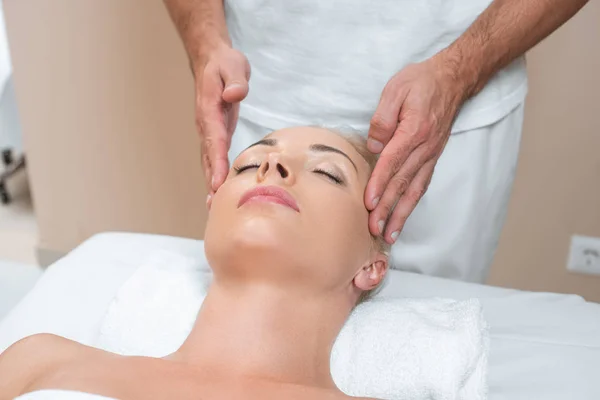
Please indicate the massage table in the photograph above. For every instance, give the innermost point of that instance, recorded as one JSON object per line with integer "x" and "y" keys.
{"x": 542, "y": 345}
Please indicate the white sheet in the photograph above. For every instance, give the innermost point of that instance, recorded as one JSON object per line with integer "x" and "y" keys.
{"x": 543, "y": 346}
{"x": 61, "y": 395}
{"x": 16, "y": 280}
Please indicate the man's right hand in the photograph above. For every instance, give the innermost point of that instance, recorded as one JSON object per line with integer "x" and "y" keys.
{"x": 221, "y": 83}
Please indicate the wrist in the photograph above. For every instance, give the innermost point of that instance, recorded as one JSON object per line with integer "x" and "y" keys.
{"x": 200, "y": 56}
{"x": 462, "y": 69}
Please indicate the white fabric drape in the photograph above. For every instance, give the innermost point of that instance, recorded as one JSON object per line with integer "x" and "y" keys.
{"x": 5, "y": 66}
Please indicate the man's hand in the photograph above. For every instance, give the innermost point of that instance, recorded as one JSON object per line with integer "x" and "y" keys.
{"x": 221, "y": 75}
{"x": 221, "y": 83}
{"x": 418, "y": 106}
{"x": 410, "y": 129}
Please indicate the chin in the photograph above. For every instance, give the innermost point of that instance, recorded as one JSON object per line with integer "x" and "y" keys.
{"x": 259, "y": 232}
{"x": 259, "y": 238}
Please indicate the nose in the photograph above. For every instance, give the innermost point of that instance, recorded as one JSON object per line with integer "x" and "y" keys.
{"x": 275, "y": 167}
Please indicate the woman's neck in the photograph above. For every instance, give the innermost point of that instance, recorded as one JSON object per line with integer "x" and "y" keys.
{"x": 263, "y": 332}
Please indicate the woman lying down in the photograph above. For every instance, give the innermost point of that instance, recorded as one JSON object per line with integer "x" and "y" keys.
{"x": 288, "y": 242}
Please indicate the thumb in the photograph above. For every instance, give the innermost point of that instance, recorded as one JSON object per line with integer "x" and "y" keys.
{"x": 386, "y": 117}
{"x": 235, "y": 75}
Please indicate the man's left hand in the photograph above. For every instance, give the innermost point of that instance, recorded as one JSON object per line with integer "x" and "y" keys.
{"x": 410, "y": 129}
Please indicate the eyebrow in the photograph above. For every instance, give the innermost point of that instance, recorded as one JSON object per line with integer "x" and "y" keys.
{"x": 264, "y": 142}
{"x": 329, "y": 149}
{"x": 314, "y": 147}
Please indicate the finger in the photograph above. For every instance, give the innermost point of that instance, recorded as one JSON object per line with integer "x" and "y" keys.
{"x": 235, "y": 73}
{"x": 209, "y": 90}
{"x": 396, "y": 187}
{"x": 409, "y": 201}
{"x": 214, "y": 130}
{"x": 385, "y": 119}
{"x": 209, "y": 200}
{"x": 390, "y": 161}
{"x": 217, "y": 145}
{"x": 231, "y": 119}
{"x": 206, "y": 168}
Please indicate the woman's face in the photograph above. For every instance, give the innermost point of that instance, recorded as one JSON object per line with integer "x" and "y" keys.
{"x": 292, "y": 207}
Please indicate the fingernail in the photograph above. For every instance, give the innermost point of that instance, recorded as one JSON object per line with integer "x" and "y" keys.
{"x": 375, "y": 202}
{"x": 395, "y": 235}
{"x": 213, "y": 182}
{"x": 233, "y": 85}
{"x": 208, "y": 199}
{"x": 374, "y": 146}
{"x": 381, "y": 224}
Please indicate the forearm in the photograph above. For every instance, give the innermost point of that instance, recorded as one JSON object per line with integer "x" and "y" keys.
{"x": 201, "y": 25}
{"x": 503, "y": 32}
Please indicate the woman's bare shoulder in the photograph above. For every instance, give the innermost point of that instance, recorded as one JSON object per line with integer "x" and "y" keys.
{"x": 26, "y": 359}
{"x": 39, "y": 339}
{"x": 41, "y": 347}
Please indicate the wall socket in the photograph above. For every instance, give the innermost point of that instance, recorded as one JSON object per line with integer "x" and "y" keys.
{"x": 584, "y": 256}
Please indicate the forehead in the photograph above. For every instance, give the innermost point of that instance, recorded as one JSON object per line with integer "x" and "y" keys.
{"x": 302, "y": 138}
{"x": 307, "y": 134}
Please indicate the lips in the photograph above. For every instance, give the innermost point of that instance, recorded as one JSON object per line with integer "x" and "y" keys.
{"x": 269, "y": 194}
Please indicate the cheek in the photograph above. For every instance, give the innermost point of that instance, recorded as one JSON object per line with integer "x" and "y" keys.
{"x": 343, "y": 225}
{"x": 220, "y": 215}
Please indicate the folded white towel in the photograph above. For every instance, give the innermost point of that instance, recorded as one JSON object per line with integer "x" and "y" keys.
{"x": 154, "y": 311}
{"x": 413, "y": 349}
{"x": 388, "y": 348}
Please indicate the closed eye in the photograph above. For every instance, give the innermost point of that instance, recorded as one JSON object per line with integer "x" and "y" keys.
{"x": 243, "y": 168}
{"x": 332, "y": 177}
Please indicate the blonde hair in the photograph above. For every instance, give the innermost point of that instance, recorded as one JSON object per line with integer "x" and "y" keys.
{"x": 358, "y": 141}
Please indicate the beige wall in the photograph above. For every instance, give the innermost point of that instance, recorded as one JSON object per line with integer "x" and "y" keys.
{"x": 557, "y": 189}
{"x": 106, "y": 102}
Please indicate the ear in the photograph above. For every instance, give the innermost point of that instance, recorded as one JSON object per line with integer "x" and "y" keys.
{"x": 371, "y": 274}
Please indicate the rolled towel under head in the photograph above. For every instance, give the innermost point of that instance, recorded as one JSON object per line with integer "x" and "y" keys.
{"x": 390, "y": 348}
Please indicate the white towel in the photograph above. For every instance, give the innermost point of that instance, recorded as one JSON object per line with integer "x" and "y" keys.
{"x": 413, "y": 349}
{"x": 388, "y": 348}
